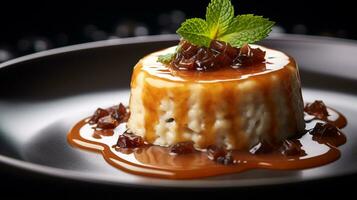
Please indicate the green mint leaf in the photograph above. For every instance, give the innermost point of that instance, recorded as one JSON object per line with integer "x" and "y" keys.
{"x": 246, "y": 29}
{"x": 195, "y": 30}
{"x": 219, "y": 15}
{"x": 220, "y": 24}
{"x": 166, "y": 58}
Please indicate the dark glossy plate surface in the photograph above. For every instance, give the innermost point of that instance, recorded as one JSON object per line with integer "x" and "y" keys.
{"x": 43, "y": 95}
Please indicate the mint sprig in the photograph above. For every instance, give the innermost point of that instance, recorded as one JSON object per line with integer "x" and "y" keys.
{"x": 219, "y": 15}
{"x": 220, "y": 24}
{"x": 246, "y": 29}
{"x": 166, "y": 58}
{"x": 195, "y": 30}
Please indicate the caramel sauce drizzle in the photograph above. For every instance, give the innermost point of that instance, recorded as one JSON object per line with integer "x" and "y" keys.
{"x": 152, "y": 117}
{"x": 181, "y": 107}
{"x": 213, "y": 82}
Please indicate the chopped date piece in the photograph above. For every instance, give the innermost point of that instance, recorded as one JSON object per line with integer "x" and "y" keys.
{"x": 226, "y": 160}
{"x": 109, "y": 118}
{"x": 245, "y": 51}
{"x": 325, "y": 130}
{"x": 184, "y": 63}
{"x": 99, "y": 113}
{"x": 219, "y": 155}
{"x": 249, "y": 56}
{"x": 317, "y": 109}
{"x": 218, "y": 55}
{"x": 188, "y": 50}
{"x": 214, "y": 152}
{"x": 287, "y": 148}
{"x": 328, "y": 133}
{"x": 182, "y": 148}
{"x": 130, "y": 140}
{"x": 292, "y": 148}
{"x": 218, "y": 47}
{"x": 112, "y": 109}
{"x": 119, "y": 113}
{"x": 107, "y": 122}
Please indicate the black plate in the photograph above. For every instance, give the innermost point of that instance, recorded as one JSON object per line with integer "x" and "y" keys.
{"x": 43, "y": 95}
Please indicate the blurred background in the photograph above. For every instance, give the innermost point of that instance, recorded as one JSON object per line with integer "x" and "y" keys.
{"x": 28, "y": 27}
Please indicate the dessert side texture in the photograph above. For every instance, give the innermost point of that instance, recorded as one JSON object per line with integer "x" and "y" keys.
{"x": 231, "y": 108}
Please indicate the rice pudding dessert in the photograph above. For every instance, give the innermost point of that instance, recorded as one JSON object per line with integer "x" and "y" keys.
{"x": 233, "y": 108}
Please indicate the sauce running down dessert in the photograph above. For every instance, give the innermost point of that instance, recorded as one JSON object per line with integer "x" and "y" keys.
{"x": 128, "y": 152}
{"x": 223, "y": 106}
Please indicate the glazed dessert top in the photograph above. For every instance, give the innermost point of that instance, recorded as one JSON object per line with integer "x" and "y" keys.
{"x": 217, "y": 49}
{"x": 274, "y": 61}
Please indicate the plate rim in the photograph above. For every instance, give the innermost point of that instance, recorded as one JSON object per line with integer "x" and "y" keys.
{"x": 163, "y": 183}
{"x": 161, "y": 38}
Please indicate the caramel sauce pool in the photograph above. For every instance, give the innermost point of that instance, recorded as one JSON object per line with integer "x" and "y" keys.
{"x": 156, "y": 161}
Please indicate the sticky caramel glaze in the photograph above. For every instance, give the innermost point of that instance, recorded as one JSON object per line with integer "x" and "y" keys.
{"x": 274, "y": 61}
{"x": 152, "y": 102}
{"x": 156, "y": 87}
{"x": 156, "y": 161}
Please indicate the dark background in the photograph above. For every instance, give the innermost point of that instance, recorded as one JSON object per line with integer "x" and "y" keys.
{"x": 28, "y": 27}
